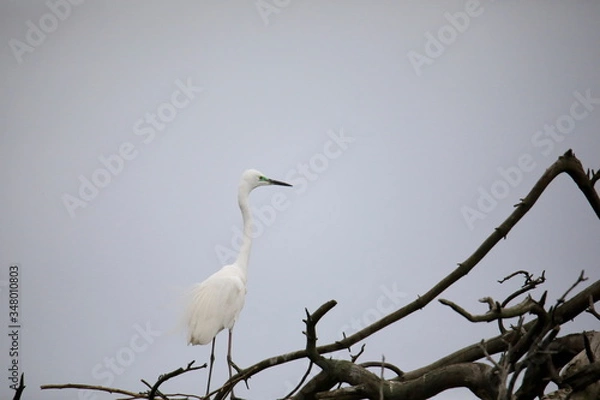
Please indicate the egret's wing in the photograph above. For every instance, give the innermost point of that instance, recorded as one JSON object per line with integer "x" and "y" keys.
{"x": 214, "y": 305}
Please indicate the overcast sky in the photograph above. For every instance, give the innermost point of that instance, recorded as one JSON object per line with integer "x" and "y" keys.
{"x": 408, "y": 129}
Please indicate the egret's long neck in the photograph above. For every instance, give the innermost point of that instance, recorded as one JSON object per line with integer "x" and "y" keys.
{"x": 244, "y": 254}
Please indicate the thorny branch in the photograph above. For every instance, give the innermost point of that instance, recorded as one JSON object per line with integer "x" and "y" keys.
{"x": 20, "y": 388}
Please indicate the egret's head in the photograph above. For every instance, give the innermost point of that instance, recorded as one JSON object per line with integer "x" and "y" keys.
{"x": 252, "y": 178}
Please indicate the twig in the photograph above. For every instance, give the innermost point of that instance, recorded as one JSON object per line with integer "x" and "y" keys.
{"x": 157, "y": 391}
{"x": 20, "y": 388}
{"x": 519, "y": 272}
{"x": 163, "y": 378}
{"x": 580, "y": 279}
{"x": 529, "y": 285}
{"x": 526, "y": 306}
{"x": 354, "y": 357}
{"x": 131, "y": 395}
{"x": 592, "y": 310}
{"x": 593, "y": 176}
{"x": 299, "y": 385}
{"x": 487, "y": 355}
{"x": 150, "y": 387}
{"x": 92, "y": 387}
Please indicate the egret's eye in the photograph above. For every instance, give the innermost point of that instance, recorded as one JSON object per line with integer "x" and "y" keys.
{"x": 262, "y": 178}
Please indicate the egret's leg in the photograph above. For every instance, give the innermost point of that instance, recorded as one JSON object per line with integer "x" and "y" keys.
{"x": 210, "y": 368}
{"x": 230, "y": 362}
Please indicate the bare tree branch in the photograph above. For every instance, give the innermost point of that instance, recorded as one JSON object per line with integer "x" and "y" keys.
{"x": 526, "y": 306}
{"x": 580, "y": 279}
{"x": 98, "y": 388}
{"x": 341, "y": 370}
{"x": 527, "y": 275}
{"x": 139, "y": 395}
{"x": 172, "y": 374}
{"x": 566, "y": 163}
{"x": 530, "y": 284}
{"x": 302, "y": 380}
{"x": 474, "y": 376}
{"x": 567, "y": 311}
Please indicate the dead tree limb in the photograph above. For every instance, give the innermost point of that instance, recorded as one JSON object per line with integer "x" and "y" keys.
{"x": 498, "y": 344}
{"x": 526, "y": 306}
{"x": 132, "y": 395}
{"x": 529, "y": 347}
{"x": 566, "y": 163}
{"x": 165, "y": 377}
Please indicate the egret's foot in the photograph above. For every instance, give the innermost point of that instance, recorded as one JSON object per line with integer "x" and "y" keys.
{"x": 237, "y": 369}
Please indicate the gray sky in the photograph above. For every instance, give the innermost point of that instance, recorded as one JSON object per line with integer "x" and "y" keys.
{"x": 126, "y": 126}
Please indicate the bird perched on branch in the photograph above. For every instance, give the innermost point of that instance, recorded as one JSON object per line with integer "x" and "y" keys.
{"x": 215, "y": 304}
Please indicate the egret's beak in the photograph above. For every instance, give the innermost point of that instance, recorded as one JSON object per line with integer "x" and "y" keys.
{"x": 274, "y": 182}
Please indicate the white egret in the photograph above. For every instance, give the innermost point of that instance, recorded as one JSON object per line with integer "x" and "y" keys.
{"x": 216, "y": 303}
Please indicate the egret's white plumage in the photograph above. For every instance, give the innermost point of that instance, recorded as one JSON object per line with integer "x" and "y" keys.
{"x": 215, "y": 304}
